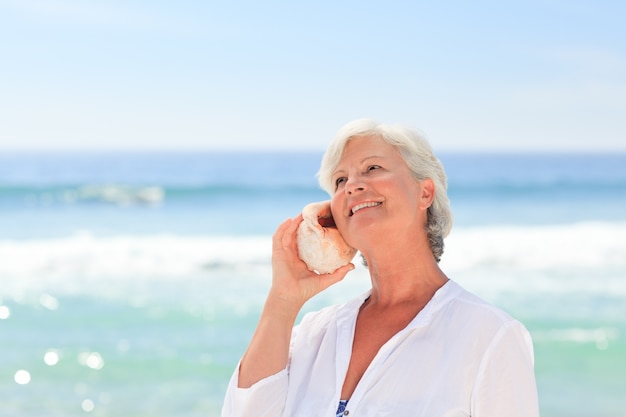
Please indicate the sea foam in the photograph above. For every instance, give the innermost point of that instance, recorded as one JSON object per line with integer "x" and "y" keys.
{"x": 473, "y": 255}
{"x": 580, "y": 245}
{"x": 520, "y": 247}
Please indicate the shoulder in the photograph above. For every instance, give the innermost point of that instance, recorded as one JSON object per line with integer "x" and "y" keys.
{"x": 470, "y": 313}
{"x": 465, "y": 302}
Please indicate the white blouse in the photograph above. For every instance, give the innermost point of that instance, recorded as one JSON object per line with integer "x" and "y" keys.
{"x": 460, "y": 356}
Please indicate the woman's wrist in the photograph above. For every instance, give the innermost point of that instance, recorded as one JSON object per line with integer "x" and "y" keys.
{"x": 282, "y": 305}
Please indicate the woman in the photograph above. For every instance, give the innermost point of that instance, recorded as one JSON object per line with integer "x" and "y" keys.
{"x": 416, "y": 344}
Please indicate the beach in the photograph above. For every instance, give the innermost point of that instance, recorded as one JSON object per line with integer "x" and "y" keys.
{"x": 130, "y": 283}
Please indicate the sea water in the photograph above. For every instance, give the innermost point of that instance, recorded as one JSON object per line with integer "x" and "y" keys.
{"x": 130, "y": 283}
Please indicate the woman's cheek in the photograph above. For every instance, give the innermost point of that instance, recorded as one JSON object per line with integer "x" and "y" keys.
{"x": 336, "y": 208}
{"x": 336, "y": 212}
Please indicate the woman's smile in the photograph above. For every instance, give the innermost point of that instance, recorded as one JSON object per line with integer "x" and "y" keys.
{"x": 361, "y": 206}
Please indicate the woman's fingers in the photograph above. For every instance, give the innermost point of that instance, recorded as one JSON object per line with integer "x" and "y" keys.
{"x": 286, "y": 233}
{"x": 277, "y": 239}
{"x": 291, "y": 275}
{"x": 290, "y": 235}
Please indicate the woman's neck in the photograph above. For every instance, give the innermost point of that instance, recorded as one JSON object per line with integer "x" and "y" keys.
{"x": 406, "y": 274}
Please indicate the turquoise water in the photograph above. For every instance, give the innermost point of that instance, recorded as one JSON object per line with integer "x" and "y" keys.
{"x": 130, "y": 284}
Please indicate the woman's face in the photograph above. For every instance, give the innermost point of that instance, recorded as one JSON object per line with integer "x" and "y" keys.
{"x": 375, "y": 192}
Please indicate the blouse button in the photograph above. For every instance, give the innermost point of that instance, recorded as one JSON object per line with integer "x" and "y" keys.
{"x": 345, "y": 413}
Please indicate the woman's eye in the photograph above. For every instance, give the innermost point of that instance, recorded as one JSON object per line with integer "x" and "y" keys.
{"x": 373, "y": 167}
{"x": 339, "y": 180}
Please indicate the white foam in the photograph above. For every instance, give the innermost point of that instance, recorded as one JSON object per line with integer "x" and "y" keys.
{"x": 161, "y": 255}
{"x": 72, "y": 264}
{"x": 117, "y": 194}
{"x": 582, "y": 245}
{"x": 601, "y": 337}
{"x": 502, "y": 262}
{"x": 488, "y": 260}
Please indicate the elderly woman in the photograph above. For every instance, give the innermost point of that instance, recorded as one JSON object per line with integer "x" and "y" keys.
{"x": 416, "y": 344}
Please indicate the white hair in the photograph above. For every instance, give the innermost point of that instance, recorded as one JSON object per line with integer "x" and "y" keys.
{"x": 419, "y": 157}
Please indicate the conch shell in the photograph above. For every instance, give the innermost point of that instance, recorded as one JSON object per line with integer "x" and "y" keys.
{"x": 320, "y": 245}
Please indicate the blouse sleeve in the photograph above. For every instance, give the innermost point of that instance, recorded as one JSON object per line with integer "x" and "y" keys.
{"x": 505, "y": 384}
{"x": 265, "y": 398}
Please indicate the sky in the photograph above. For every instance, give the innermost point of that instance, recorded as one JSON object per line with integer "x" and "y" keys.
{"x": 198, "y": 75}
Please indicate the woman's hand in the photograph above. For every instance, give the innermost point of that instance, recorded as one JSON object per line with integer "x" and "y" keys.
{"x": 291, "y": 280}
{"x": 292, "y": 285}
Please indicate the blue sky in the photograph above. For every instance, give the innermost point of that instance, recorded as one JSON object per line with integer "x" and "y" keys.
{"x": 479, "y": 75}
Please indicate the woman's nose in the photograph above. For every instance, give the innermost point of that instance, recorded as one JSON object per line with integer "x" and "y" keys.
{"x": 354, "y": 185}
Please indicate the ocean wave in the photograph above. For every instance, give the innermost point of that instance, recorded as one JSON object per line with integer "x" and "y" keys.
{"x": 118, "y": 195}
{"x": 569, "y": 246}
{"x": 469, "y": 251}
{"x": 131, "y": 195}
{"x": 122, "y": 194}
{"x": 601, "y": 337}
{"x": 86, "y": 255}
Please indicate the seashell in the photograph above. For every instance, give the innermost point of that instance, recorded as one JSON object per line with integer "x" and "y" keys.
{"x": 320, "y": 245}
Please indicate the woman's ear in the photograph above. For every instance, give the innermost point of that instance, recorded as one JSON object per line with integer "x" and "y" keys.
{"x": 427, "y": 193}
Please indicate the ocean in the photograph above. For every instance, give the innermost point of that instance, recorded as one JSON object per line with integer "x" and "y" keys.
{"x": 130, "y": 283}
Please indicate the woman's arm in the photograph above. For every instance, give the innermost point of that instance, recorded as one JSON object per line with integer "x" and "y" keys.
{"x": 292, "y": 285}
